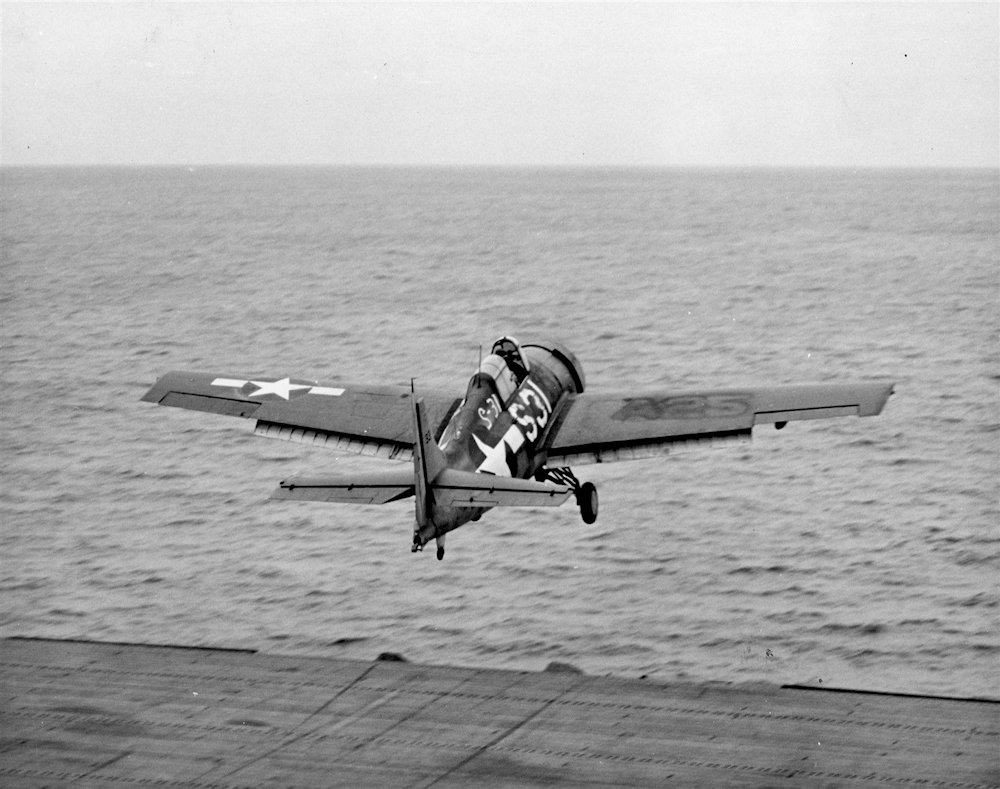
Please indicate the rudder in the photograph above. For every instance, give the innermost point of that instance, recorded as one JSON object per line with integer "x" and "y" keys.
{"x": 428, "y": 462}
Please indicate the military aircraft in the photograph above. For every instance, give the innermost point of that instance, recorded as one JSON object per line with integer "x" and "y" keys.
{"x": 508, "y": 442}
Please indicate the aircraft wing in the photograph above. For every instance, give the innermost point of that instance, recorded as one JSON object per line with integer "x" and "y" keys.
{"x": 596, "y": 428}
{"x": 370, "y": 420}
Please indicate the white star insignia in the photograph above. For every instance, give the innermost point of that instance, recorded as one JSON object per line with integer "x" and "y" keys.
{"x": 282, "y": 388}
{"x": 495, "y": 460}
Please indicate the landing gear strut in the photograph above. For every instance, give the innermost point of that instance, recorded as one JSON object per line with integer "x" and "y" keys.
{"x": 586, "y": 493}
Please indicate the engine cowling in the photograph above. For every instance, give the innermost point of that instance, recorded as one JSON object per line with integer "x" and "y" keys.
{"x": 560, "y": 360}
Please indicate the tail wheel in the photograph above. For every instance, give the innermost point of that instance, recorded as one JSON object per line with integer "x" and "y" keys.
{"x": 586, "y": 497}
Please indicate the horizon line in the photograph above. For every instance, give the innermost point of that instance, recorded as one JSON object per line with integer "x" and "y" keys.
{"x": 482, "y": 166}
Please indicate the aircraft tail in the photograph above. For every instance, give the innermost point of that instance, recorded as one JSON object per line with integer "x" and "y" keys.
{"x": 439, "y": 490}
{"x": 428, "y": 462}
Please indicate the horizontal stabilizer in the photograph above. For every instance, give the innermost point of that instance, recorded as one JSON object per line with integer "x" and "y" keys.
{"x": 470, "y": 489}
{"x": 365, "y": 488}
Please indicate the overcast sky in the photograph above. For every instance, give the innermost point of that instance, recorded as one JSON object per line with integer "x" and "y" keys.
{"x": 909, "y": 84}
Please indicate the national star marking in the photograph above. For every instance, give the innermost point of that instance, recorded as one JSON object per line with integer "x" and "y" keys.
{"x": 283, "y": 388}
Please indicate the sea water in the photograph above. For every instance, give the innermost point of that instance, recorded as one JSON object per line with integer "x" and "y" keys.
{"x": 858, "y": 553}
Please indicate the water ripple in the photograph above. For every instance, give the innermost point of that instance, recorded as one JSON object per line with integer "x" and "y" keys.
{"x": 859, "y": 553}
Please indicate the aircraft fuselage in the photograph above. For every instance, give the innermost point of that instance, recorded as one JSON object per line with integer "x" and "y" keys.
{"x": 502, "y": 424}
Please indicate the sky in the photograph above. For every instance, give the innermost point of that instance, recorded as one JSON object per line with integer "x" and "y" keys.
{"x": 613, "y": 84}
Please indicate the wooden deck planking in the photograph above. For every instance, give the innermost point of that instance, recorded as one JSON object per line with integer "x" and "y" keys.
{"x": 116, "y": 715}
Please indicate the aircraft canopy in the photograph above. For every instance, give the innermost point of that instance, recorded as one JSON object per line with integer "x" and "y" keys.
{"x": 510, "y": 349}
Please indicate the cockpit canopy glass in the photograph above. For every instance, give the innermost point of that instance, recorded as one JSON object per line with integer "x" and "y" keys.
{"x": 510, "y": 350}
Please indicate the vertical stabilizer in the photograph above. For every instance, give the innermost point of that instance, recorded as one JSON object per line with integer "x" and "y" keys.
{"x": 428, "y": 462}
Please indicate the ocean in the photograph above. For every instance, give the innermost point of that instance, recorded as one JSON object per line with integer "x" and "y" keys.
{"x": 852, "y": 553}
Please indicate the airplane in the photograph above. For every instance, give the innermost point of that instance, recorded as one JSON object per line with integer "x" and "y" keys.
{"x": 524, "y": 418}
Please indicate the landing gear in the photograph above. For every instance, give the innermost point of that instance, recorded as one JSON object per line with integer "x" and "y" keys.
{"x": 586, "y": 497}
{"x": 586, "y": 493}
{"x": 419, "y": 546}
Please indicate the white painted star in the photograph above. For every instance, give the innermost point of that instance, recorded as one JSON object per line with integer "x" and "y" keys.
{"x": 495, "y": 461}
{"x": 281, "y": 388}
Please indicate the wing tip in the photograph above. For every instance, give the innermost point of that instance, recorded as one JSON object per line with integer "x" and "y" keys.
{"x": 155, "y": 393}
{"x": 164, "y": 385}
{"x": 881, "y": 391}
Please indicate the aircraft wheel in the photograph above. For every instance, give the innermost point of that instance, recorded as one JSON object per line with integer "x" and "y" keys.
{"x": 587, "y": 499}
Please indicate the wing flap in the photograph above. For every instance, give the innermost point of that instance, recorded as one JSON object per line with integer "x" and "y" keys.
{"x": 389, "y": 450}
{"x": 371, "y": 488}
{"x": 471, "y": 489}
{"x": 641, "y": 450}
